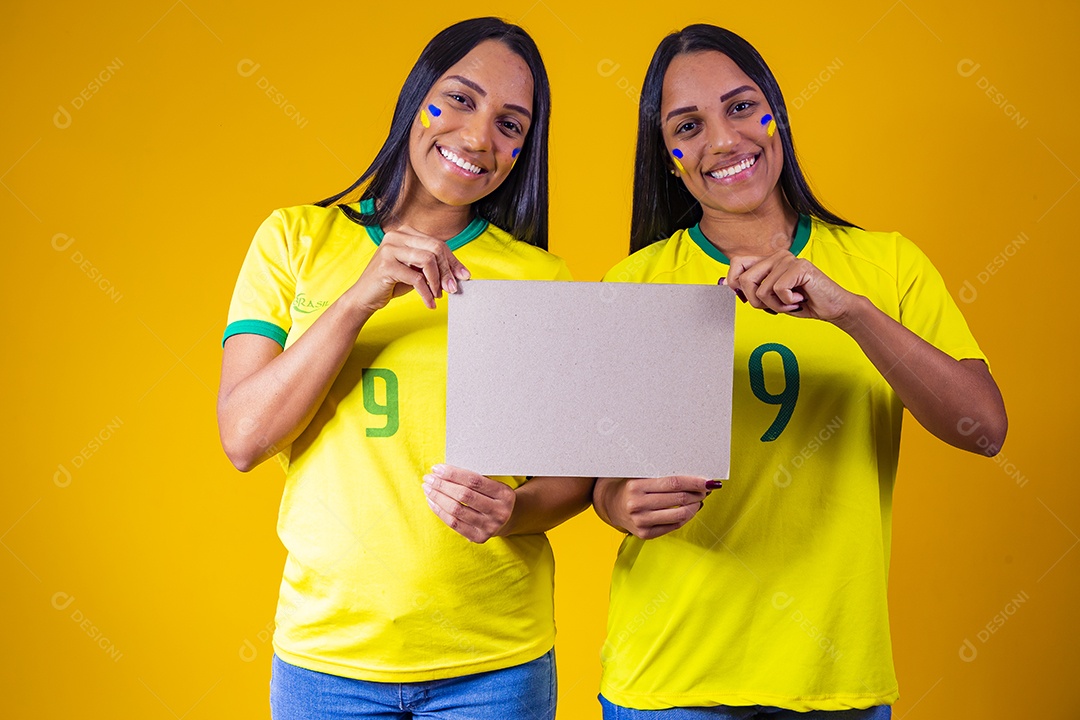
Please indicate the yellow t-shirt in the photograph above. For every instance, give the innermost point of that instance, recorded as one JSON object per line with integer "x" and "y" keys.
{"x": 775, "y": 593}
{"x": 375, "y": 586}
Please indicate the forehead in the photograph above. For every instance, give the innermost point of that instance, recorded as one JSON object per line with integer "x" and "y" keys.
{"x": 502, "y": 73}
{"x": 696, "y": 78}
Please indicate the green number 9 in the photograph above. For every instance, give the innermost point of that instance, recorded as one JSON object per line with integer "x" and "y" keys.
{"x": 787, "y": 398}
{"x": 390, "y": 408}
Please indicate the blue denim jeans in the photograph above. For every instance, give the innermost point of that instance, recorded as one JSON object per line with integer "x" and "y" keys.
{"x": 525, "y": 691}
{"x": 728, "y": 712}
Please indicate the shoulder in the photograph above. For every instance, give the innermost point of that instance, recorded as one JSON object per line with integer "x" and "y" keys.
{"x": 661, "y": 258}
{"x": 310, "y": 217}
{"x": 889, "y": 252}
{"x": 303, "y": 228}
{"x": 495, "y": 241}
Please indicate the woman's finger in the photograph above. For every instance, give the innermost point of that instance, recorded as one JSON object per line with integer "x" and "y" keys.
{"x": 461, "y": 494}
{"x": 407, "y": 275}
{"x": 427, "y": 263}
{"x": 454, "y": 522}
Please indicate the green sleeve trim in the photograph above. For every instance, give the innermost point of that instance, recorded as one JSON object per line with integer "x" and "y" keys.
{"x": 798, "y": 241}
{"x": 256, "y": 327}
{"x": 471, "y": 231}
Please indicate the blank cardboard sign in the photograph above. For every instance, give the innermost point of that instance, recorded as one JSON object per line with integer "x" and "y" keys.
{"x": 595, "y": 379}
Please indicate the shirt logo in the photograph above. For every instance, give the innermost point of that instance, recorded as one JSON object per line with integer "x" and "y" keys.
{"x": 303, "y": 304}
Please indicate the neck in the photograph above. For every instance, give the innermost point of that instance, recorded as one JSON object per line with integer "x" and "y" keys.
{"x": 763, "y": 231}
{"x": 419, "y": 210}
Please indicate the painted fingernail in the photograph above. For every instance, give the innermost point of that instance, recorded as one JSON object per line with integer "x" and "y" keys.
{"x": 722, "y": 281}
{"x": 771, "y": 312}
{"x": 452, "y": 284}
{"x": 739, "y": 294}
{"x": 463, "y": 273}
{"x": 713, "y": 484}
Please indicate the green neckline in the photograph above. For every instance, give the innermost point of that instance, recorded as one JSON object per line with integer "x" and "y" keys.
{"x": 471, "y": 231}
{"x": 798, "y": 242}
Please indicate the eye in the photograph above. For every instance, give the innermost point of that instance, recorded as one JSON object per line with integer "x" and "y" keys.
{"x": 511, "y": 125}
{"x": 685, "y": 127}
{"x": 458, "y": 98}
{"x": 741, "y": 106}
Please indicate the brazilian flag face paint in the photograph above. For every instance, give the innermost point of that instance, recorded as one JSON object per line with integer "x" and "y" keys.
{"x": 425, "y": 119}
{"x": 769, "y": 123}
{"x": 677, "y": 153}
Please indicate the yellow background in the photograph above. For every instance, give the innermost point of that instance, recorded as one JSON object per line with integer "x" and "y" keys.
{"x": 140, "y": 570}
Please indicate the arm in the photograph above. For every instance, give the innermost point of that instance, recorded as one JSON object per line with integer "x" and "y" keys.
{"x": 480, "y": 508}
{"x": 650, "y": 507}
{"x": 950, "y": 398}
{"x": 267, "y": 396}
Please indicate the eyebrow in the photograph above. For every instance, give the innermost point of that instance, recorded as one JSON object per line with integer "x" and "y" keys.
{"x": 680, "y": 111}
{"x": 736, "y": 91}
{"x": 468, "y": 83}
{"x": 483, "y": 93}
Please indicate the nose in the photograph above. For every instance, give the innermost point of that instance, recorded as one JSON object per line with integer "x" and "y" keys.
{"x": 476, "y": 133}
{"x": 722, "y": 137}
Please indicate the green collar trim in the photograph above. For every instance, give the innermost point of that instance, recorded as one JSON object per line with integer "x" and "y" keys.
{"x": 798, "y": 242}
{"x": 471, "y": 231}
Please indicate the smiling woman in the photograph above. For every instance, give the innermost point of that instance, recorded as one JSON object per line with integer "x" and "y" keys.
{"x": 335, "y": 361}
{"x": 785, "y": 573}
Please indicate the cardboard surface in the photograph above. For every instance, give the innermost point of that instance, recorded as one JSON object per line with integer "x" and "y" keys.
{"x": 595, "y": 379}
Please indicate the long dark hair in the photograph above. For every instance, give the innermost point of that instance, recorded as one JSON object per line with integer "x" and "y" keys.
{"x": 662, "y": 204}
{"x": 520, "y": 204}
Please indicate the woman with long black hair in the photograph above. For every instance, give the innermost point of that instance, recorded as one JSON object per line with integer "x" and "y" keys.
{"x": 335, "y": 361}
{"x": 768, "y": 599}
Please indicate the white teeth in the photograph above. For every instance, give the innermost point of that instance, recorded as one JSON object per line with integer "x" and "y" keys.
{"x": 729, "y": 171}
{"x": 459, "y": 162}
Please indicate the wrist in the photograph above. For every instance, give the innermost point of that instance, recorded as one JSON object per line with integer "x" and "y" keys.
{"x": 508, "y": 526}
{"x": 357, "y": 312}
{"x": 853, "y": 314}
{"x": 603, "y": 492}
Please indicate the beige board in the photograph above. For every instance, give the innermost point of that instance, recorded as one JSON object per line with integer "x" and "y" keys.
{"x": 594, "y": 379}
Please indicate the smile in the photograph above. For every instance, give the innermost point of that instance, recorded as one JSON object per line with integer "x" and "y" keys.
{"x": 460, "y": 162}
{"x": 734, "y": 169}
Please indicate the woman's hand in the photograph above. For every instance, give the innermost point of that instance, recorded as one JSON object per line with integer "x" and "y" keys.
{"x": 407, "y": 260}
{"x": 650, "y": 507}
{"x": 471, "y": 504}
{"x": 783, "y": 283}
{"x": 948, "y": 397}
